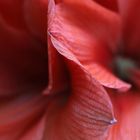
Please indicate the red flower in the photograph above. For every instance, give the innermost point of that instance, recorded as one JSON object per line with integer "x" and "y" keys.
{"x": 59, "y": 89}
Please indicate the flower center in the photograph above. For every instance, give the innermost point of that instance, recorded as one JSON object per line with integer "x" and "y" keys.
{"x": 122, "y": 67}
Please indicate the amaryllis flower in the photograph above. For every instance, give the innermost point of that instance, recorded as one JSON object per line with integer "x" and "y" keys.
{"x": 102, "y": 39}
{"x": 73, "y": 84}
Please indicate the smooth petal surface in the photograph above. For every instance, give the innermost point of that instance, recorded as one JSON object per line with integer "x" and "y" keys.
{"x": 86, "y": 113}
{"x": 127, "y": 110}
{"x": 91, "y": 35}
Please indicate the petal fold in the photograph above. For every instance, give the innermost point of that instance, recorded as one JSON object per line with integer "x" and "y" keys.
{"x": 91, "y": 36}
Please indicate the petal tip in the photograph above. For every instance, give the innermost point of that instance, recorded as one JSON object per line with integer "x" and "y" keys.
{"x": 113, "y": 121}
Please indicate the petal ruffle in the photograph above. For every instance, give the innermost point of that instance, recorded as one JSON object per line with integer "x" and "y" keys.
{"x": 90, "y": 35}
{"x": 82, "y": 112}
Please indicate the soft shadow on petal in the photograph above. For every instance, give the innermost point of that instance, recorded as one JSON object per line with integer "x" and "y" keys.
{"x": 91, "y": 35}
{"x": 127, "y": 111}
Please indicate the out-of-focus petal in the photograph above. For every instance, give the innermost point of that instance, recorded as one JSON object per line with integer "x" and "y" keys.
{"x": 23, "y": 59}
{"x": 85, "y": 114}
{"x": 19, "y": 114}
{"x": 130, "y": 10}
{"x": 91, "y": 35}
{"x": 127, "y": 110}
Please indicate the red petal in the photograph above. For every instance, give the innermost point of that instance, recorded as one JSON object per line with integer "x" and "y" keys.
{"x": 127, "y": 109}
{"x": 85, "y": 114}
{"x": 131, "y": 30}
{"x": 89, "y": 34}
{"x": 20, "y": 113}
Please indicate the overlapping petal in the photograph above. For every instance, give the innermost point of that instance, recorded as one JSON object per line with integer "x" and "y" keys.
{"x": 84, "y": 111}
{"x": 91, "y": 34}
